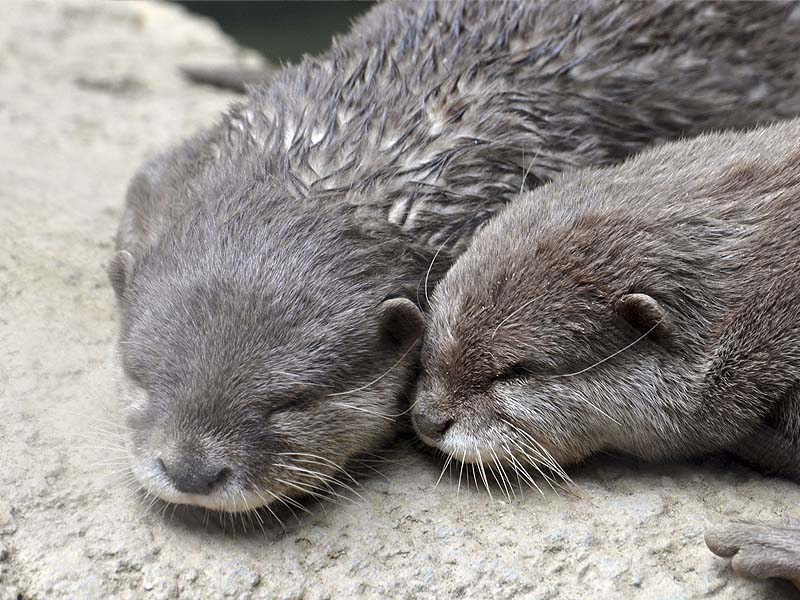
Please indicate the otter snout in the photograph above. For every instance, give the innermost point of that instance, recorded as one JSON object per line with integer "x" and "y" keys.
{"x": 193, "y": 475}
{"x": 431, "y": 429}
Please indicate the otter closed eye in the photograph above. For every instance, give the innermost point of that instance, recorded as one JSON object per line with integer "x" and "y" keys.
{"x": 515, "y": 371}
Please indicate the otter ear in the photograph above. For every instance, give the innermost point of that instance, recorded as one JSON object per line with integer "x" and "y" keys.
{"x": 645, "y": 314}
{"x": 401, "y": 320}
{"x": 119, "y": 271}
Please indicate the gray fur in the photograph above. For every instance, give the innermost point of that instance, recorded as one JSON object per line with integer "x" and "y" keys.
{"x": 651, "y": 308}
{"x": 262, "y": 250}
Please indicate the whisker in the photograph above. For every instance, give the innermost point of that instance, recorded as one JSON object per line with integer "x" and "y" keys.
{"x": 533, "y": 463}
{"x": 430, "y": 267}
{"x": 460, "y": 469}
{"x": 444, "y": 468}
{"x": 530, "y": 166}
{"x": 376, "y": 380}
{"x": 514, "y": 313}
{"x": 501, "y": 481}
{"x": 324, "y": 479}
{"x": 389, "y": 418}
{"x": 323, "y": 461}
{"x": 520, "y": 470}
{"x": 483, "y": 476}
{"x": 612, "y": 355}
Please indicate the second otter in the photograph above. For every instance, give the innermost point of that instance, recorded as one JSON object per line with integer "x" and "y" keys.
{"x": 651, "y": 309}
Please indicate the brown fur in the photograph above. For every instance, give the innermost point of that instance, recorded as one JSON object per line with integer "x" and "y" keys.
{"x": 651, "y": 309}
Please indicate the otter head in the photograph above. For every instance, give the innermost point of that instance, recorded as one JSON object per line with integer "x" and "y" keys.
{"x": 262, "y": 347}
{"x": 556, "y": 335}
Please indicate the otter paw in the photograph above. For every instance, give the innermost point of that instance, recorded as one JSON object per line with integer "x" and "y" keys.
{"x": 757, "y": 549}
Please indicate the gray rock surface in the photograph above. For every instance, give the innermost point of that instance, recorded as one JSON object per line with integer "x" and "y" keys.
{"x": 86, "y": 91}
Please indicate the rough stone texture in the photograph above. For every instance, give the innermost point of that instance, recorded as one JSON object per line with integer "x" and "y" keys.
{"x": 86, "y": 90}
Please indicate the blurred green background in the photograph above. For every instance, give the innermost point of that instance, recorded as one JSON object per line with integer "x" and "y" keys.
{"x": 281, "y": 30}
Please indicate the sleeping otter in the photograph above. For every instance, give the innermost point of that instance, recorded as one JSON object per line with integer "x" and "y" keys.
{"x": 651, "y": 309}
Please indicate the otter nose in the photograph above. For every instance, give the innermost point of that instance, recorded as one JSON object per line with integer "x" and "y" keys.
{"x": 432, "y": 428}
{"x": 192, "y": 476}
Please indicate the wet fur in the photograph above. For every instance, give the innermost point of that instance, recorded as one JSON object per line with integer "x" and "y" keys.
{"x": 256, "y": 258}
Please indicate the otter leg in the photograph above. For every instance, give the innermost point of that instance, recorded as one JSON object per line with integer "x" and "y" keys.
{"x": 757, "y": 549}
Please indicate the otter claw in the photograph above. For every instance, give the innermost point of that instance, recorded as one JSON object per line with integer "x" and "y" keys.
{"x": 757, "y": 549}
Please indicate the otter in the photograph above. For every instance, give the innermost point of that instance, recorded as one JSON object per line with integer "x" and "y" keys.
{"x": 272, "y": 271}
{"x": 651, "y": 309}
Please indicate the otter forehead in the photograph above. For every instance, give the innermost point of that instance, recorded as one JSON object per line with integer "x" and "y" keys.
{"x": 529, "y": 303}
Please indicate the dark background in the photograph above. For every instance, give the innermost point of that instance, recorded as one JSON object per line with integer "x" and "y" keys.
{"x": 281, "y": 30}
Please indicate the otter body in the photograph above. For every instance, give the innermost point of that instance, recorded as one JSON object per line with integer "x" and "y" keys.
{"x": 271, "y": 271}
{"x": 651, "y": 308}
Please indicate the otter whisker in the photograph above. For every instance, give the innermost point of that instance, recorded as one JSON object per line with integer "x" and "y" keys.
{"x": 288, "y": 501}
{"x": 323, "y": 462}
{"x": 371, "y": 468}
{"x": 260, "y": 521}
{"x": 521, "y": 472}
{"x": 533, "y": 463}
{"x": 114, "y": 425}
{"x": 365, "y": 410}
{"x": 249, "y": 512}
{"x": 549, "y": 461}
{"x": 502, "y": 474}
{"x": 231, "y": 517}
{"x": 312, "y": 491}
{"x": 325, "y": 479}
{"x": 282, "y": 498}
{"x": 336, "y": 477}
{"x": 295, "y": 377}
{"x": 483, "y": 476}
{"x": 97, "y": 432}
{"x": 613, "y": 354}
{"x": 472, "y": 468}
{"x": 460, "y": 470}
{"x": 430, "y": 267}
{"x": 444, "y": 468}
{"x": 513, "y": 313}
{"x": 124, "y": 469}
{"x": 556, "y": 471}
{"x": 95, "y": 447}
{"x": 127, "y": 482}
{"x": 377, "y": 458}
{"x": 540, "y": 451}
{"x": 153, "y": 501}
{"x": 377, "y": 414}
{"x": 530, "y": 166}
{"x": 269, "y": 509}
{"x": 377, "y": 379}
{"x": 246, "y": 509}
